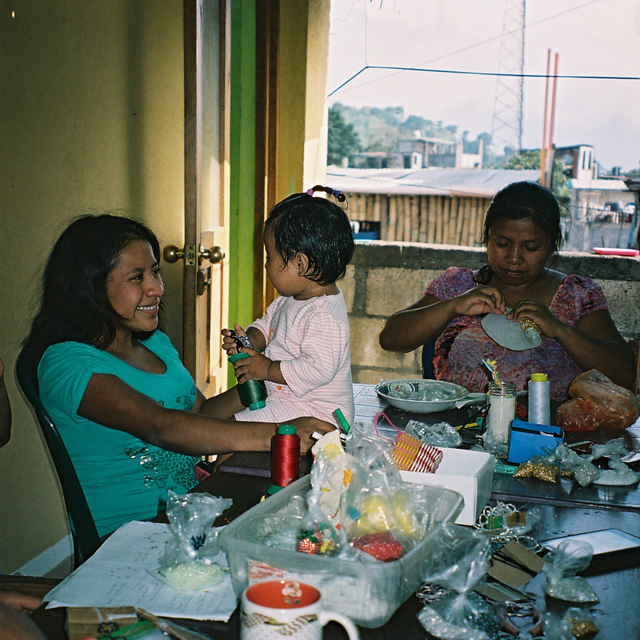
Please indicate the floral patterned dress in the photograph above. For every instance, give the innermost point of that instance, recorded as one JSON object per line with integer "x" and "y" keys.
{"x": 461, "y": 347}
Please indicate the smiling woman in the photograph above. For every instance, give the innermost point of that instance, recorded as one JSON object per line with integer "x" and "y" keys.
{"x": 130, "y": 415}
{"x": 521, "y": 233}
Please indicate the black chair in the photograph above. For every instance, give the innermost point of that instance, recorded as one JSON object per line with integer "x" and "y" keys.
{"x": 428, "y": 351}
{"x": 83, "y": 528}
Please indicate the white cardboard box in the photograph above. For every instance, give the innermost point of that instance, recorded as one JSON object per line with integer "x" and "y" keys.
{"x": 470, "y": 473}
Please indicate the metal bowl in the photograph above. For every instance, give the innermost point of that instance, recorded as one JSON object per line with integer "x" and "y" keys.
{"x": 448, "y": 393}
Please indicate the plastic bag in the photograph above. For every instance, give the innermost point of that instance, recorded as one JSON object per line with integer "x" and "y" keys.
{"x": 618, "y": 474}
{"x": 571, "y": 557}
{"x": 459, "y": 562}
{"x": 575, "y": 623}
{"x": 441, "y": 434}
{"x": 379, "y": 510}
{"x": 597, "y": 402}
{"x": 580, "y": 468}
{"x": 192, "y": 556}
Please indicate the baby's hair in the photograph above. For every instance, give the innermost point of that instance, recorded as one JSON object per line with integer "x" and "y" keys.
{"x": 317, "y": 228}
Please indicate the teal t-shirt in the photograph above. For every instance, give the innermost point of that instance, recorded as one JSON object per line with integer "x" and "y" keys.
{"x": 123, "y": 477}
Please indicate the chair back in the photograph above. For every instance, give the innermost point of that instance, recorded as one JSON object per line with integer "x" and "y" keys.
{"x": 428, "y": 351}
{"x": 83, "y": 528}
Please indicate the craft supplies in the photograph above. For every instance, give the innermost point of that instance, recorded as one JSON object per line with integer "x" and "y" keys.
{"x": 410, "y": 454}
{"x": 512, "y": 334}
{"x": 493, "y": 369}
{"x": 253, "y": 393}
{"x": 342, "y": 421}
{"x": 285, "y": 457}
{"x": 502, "y": 410}
{"x": 382, "y": 546}
{"x": 529, "y": 439}
{"x": 539, "y": 399}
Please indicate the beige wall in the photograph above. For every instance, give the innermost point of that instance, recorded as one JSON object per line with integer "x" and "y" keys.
{"x": 91, "y": 119}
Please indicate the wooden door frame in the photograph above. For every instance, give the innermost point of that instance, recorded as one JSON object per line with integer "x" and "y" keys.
{"x": 266, "y": 132}
{"x": 190, "y": 267}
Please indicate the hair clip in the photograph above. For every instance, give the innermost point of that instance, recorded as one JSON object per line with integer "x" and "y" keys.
{"x": 310, "y": 192}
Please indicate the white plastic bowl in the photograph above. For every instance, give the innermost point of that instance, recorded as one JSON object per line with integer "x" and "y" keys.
{"x": 450, "y": 392}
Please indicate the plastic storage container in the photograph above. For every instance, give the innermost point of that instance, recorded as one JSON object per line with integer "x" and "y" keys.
{"x": 368, "y": 592}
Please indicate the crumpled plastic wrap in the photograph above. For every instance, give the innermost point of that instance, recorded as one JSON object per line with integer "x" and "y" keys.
{"x": 618, "y": 474}
{"x": 190, "y": 561}
{"x": 459, "y": 563}
{"x": 574, "y": 624}
{"x": 571, "y": 557}
{"x": 597, "y": 402}
{"x": 441, "y": 434}
{"x": 582, "y": 470}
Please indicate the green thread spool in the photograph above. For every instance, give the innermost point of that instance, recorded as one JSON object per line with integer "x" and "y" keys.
{"x": 253, "y": 393}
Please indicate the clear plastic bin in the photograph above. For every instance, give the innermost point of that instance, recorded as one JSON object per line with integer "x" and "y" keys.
{"x": 368, "y": 592}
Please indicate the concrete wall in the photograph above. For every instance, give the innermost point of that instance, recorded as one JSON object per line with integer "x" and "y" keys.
{"x": 385, "y": 277}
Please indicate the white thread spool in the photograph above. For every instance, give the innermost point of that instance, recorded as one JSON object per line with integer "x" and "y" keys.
{"x": 539, "y": 399}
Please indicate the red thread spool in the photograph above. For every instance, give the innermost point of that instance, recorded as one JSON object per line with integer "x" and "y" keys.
{"x": 285, "y": 456}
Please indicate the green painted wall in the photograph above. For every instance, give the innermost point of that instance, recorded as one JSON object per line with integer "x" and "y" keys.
{"x": 242, "y": 178}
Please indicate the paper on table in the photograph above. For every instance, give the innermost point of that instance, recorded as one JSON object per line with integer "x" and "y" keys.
{"x": 117, "y": 575}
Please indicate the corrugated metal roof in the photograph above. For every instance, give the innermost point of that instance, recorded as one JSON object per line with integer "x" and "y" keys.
{"x": 600, "y": 185}
{"x": 469, "y": 182}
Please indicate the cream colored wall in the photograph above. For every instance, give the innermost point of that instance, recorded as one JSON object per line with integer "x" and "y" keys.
{"x": 90, "y": 119}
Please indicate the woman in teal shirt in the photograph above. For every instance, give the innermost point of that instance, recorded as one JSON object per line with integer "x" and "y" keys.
{"x": 129, "y": 413}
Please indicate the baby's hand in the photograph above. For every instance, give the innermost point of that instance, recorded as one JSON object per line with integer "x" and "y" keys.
{"x": 255, "y": 367}
{"x": 233, "y": 339}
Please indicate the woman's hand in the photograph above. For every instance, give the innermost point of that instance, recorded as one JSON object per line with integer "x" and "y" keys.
{"x": 548, "y": 324}
{"x": 478, "y": 301}
{"x": 19, "y": 601}
{"x": 306, "y": 426}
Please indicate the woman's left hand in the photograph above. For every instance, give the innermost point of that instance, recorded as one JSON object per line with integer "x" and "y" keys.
{"x": 548, "y": 324}
{"x": 255, "y": 367}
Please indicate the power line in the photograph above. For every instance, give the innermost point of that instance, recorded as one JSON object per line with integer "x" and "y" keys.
{"x": 479, "y": 73}
{"x": 471, "y": 46}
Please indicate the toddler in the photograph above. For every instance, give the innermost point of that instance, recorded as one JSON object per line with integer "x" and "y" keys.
{"x": 301, "y": 344}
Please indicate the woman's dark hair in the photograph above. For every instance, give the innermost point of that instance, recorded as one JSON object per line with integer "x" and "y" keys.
{"x": 317, "y": 228}
{"x": 74, "y": 305}
{"x": 526, "y": 200}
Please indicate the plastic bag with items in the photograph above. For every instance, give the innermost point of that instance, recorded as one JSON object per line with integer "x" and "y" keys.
{"x": 459, "y": 562}
{"x": 597, "y": 402}
{"x": 382, "y": 516}
{"x": 192, "y": 559}
{"x": 441, "y": 434}
{"x": 571, "y": 557}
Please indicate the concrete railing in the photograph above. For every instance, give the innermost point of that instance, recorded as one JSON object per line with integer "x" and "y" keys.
{"x": 385, "y": 277}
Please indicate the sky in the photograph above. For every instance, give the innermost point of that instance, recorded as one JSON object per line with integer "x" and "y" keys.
{"x": 591, "y": 38}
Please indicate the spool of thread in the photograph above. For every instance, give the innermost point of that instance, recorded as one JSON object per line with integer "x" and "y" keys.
{"x": 539, "y": 399}
{"x": 253, "y": 393}
{"x": 285, "y": 457}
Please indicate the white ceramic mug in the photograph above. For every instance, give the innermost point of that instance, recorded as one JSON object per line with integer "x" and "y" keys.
{"x": 280, "y": 609}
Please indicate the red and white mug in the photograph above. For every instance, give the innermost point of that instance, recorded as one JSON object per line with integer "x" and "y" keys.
{"x": 279, "y": 609}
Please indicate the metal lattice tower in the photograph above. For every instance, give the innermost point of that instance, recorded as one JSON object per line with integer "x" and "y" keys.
{"x": 507, "y": 111}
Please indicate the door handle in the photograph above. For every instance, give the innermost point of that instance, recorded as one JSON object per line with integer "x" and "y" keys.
{"x": 172, "y": 254}
{"x": 214, "y": 255}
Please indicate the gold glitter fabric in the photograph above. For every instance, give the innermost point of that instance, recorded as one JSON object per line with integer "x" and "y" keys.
{"x": 539, "y": 469}
{"x": 529, "y": 325}
{"x": 583, "y": 628}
